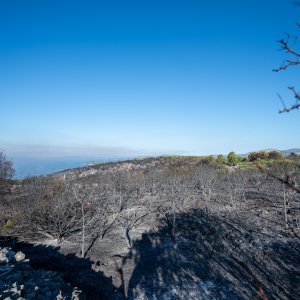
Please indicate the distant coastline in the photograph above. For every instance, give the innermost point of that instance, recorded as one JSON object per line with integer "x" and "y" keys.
{"x": 34, "y": 166}
{"x": 29, "y": 166}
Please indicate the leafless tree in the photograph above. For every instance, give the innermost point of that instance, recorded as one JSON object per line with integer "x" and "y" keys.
{"x": 56, "y": 209}
{"x": 176, "y": 195}
{"x": 106, "y": 205}
{"x": 6, "y": 167}
{"x": 283, "y": 200}
{"x": 153, "y": 184}
{"x": 131, "y": 218}
{"x": 6, "y": 173}
{"x": 85, "y": 197}
{"x": 119, "y": 198}
{"x": 133, "y": 204}
{"x": 234, "y": 185}
{"x": 46, "y": 208}
{"x": 205, "y": 179}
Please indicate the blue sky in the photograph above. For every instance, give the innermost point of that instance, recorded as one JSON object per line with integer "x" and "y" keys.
{"x": 127, "y": 78}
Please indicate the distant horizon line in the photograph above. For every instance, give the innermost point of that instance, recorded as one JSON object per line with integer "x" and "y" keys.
{"x": 131, "y": 155}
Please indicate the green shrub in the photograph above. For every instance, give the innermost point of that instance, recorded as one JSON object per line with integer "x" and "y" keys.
{"x": 221, "y": 159}
{"x": 232, "y": 159}
{"x": 208, "y": 160}
{"x": 264, "y": 162}
{"x": 247, "y": 166}
{"x": 9, "y": 223}
{"x": 254, "y": 156}
{"x": 275, "y": 155}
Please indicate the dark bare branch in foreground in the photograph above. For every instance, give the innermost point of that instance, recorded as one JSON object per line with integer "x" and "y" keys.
{"x": 295, "y": 106}
{"x": 286, "y": 46}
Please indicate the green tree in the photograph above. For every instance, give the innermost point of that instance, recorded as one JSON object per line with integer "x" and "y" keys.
{"x": 275, "y": 155}
{"x": 221, "y": 159}
{"x": 254, "y": 156}
{"x": 233, "y": 159}
{"x": 208, "y": 160}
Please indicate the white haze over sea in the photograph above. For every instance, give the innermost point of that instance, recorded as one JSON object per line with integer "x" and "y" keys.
{"x": 33, "y": 160}
{"x": 29, "y": 166}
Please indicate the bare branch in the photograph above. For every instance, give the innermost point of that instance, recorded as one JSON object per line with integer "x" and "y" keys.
{"x": 287, "y": 63}
{"x": 295, "y": 106}
{"x": 295, "y": 61}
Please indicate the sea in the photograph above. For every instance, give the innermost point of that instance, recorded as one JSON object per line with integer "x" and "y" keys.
{"x": 31, "y": 166}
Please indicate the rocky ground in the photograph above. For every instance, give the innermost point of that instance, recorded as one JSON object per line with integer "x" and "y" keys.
{"x": 19, "y": 280}
{"x": 42, "y": 272}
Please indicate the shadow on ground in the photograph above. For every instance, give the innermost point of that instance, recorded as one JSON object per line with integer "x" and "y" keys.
{"x": 75, "y": 271}
{"x": 213, "y": 259}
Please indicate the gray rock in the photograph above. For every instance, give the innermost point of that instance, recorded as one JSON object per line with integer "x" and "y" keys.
{"x": 20, "y": 281}
{"x": 76, "y": 294}
{"x": 3, "y": 257}
{"x": 59, "y": 296}
{"x": 20, "y": 256}
{"x": 15, "y": 290}
{"x": 6, "y": 255}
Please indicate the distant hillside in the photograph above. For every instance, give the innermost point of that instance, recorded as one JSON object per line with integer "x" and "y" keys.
{"x": 289, "y": 151}
{"x": 41, "y": 166}
{"x": 284, "y": 152}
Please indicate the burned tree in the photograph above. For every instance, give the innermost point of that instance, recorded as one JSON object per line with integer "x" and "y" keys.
{"x": 46, "y": 208}
{"x": 133, "y": 208}
{"x": 176, "y": 196}
{"x": 6, "y": 167}
{"x": 205, "y": 179}
{"x": 84, "y": 197}
{"x": 6, "y": 173}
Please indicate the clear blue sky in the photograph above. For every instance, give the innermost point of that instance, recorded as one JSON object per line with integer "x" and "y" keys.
{"x": 120, "y": 78}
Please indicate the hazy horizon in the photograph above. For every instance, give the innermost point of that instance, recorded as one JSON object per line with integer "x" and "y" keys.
{"x": 30, "y": 166}
{"x": 27, "y": 166}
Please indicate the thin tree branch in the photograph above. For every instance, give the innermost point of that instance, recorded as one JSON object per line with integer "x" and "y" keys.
{"x": 292, "y": 107}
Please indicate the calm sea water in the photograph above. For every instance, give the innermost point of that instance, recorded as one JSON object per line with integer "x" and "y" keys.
{"x": 41, "y": 166}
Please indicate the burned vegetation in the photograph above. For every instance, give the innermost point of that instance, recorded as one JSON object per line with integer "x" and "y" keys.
{"x": 167, "y": 227}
